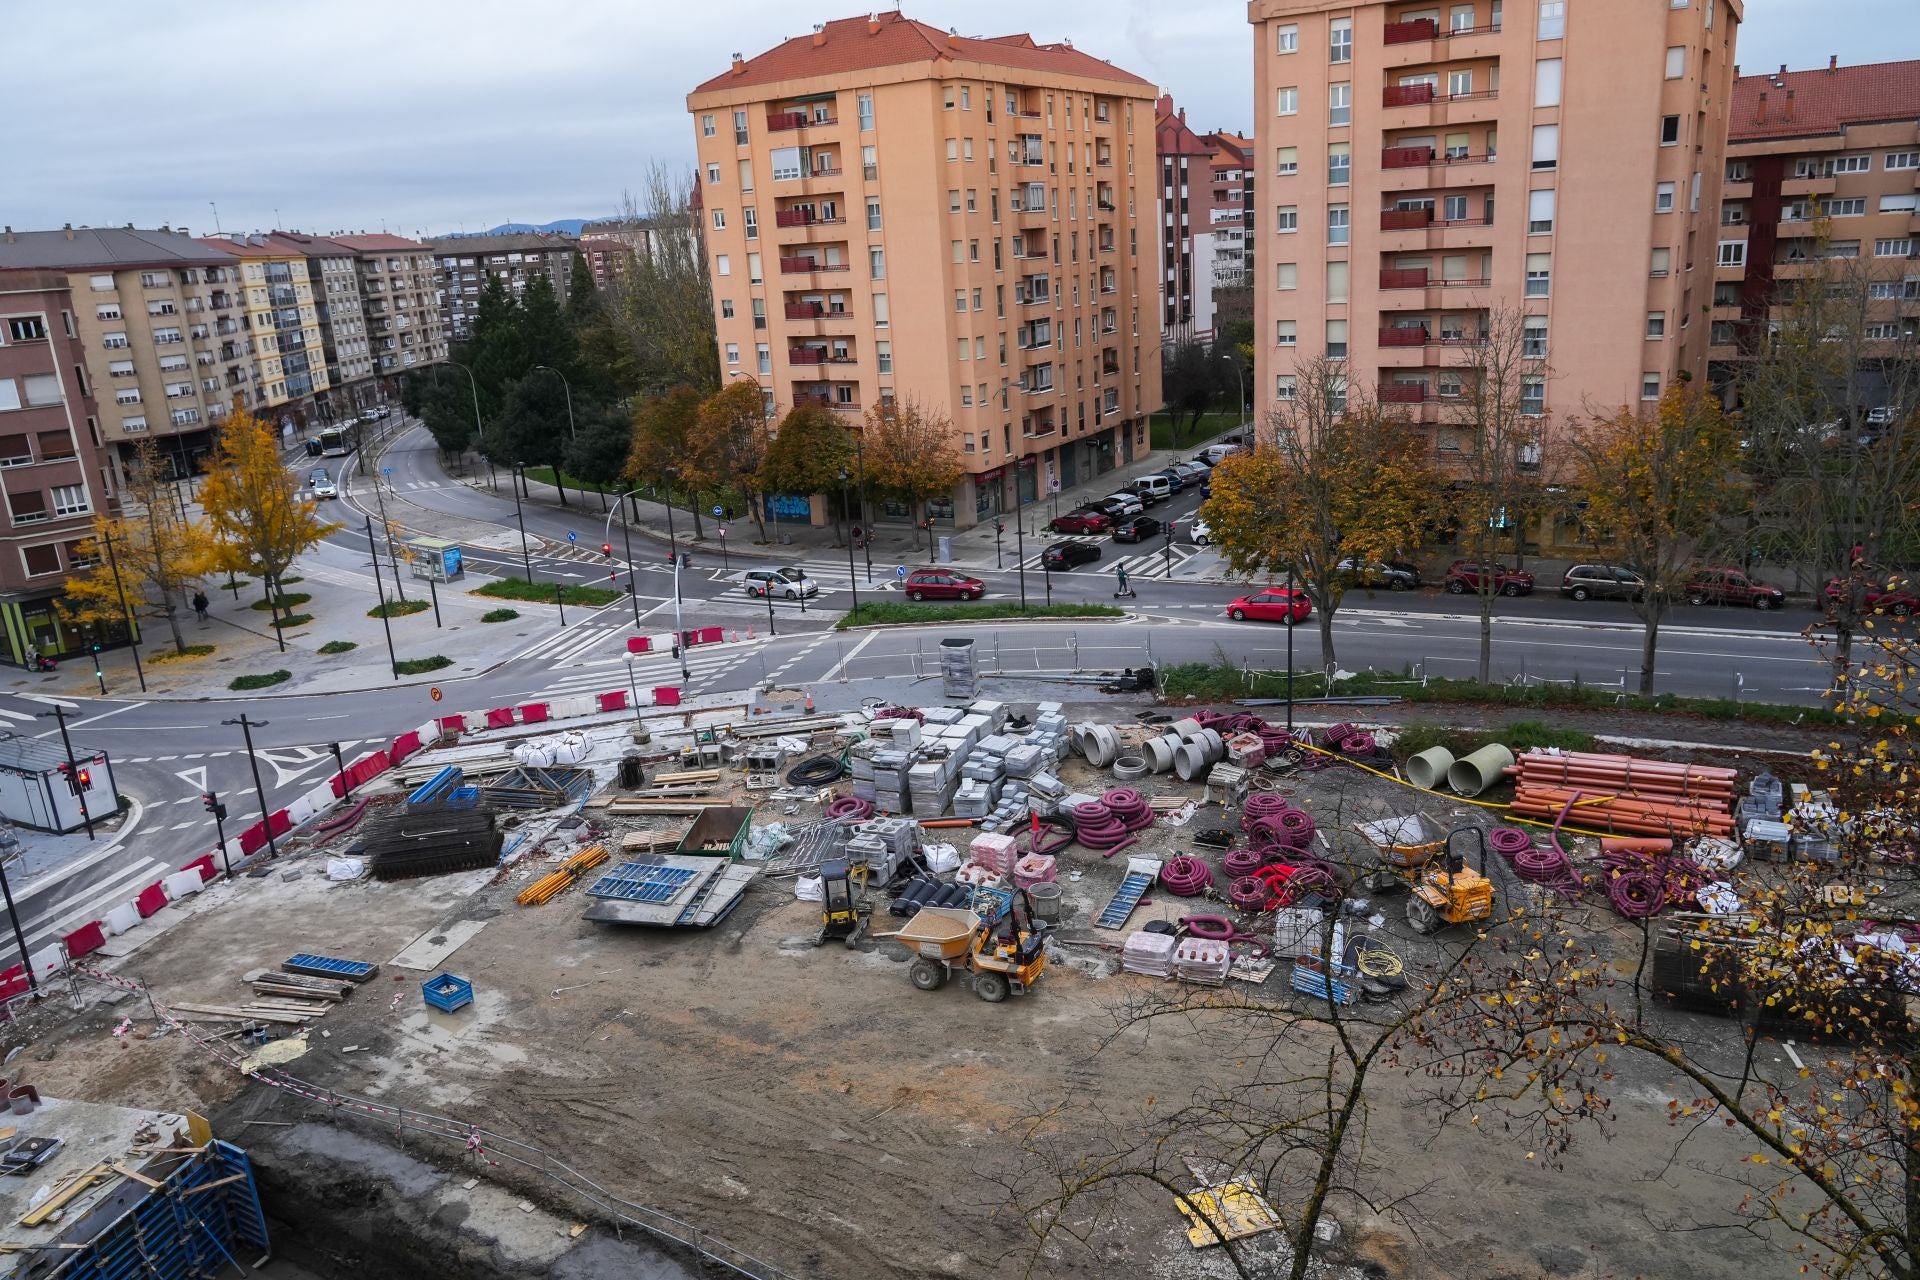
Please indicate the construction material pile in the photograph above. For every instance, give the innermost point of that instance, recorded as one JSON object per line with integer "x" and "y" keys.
{"x": 966, "y": 759}
{"x": 551, "y": 885}
{"x": 429, "y": 841}
{"x": 1623, "y": 794}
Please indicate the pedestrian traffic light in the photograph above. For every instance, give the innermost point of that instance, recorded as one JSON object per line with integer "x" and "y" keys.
{"x": 606, "y": 549}
{"x": 999, "y": 527}
{"x": 79, "y": 780}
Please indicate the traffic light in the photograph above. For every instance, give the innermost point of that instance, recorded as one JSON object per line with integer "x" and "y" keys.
{"x": 606, "y": 549}
{"x": 82, "y": 780}
{"x": 211, "y": 803}
{"x": 999, "y": 527}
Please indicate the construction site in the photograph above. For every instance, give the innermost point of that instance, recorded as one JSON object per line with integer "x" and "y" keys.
{"x": 779, "y": 990}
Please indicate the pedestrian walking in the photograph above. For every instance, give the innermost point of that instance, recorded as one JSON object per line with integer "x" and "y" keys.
{"x": 1120, "y": 578}
{"x": 200, "y": 606}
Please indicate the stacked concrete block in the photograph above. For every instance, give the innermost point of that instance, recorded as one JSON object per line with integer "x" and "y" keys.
{"x": 995, "y": 712}
{"x": 931, "y": 785}
{"x": 937, "y": 716}
{"x": 906, "y": 732}
{"x": 1045, "y": 794}
{"x": 890, "y": 772}
{"x": 1026, "y": 760}
{"x": 860, "y": 766}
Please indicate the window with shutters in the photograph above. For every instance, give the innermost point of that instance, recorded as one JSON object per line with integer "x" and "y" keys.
{"x": 41, "y": 560}
{"x": 29, "y": 507}
{"x": 1540, "y": 212}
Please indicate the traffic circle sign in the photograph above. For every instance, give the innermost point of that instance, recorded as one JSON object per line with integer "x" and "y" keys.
{"x": 434, "y": 693}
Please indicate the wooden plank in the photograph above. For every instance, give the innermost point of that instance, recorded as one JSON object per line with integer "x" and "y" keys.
{"x": 208, "y": 1186}
{"x": 60, "y": 1199}
{"x": 240, "y": 1015}
{"x": 125, "y": 1172}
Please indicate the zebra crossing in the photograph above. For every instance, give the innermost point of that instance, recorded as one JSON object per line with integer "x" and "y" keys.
{"x": 1143, "y": 564}
{"x": 706, "y": 667}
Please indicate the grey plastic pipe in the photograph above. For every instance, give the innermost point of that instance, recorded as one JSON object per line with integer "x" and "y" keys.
{"x": 1472, "y": 774}
{"x": 1428, "y": 770}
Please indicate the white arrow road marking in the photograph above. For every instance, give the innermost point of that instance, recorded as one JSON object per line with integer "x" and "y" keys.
{"x": 302, "y": 760}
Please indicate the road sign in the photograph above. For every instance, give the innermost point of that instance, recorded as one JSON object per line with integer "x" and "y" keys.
{"x": 387, "y": 472}
{"x": 572, "y": 536}
{"x": 719, "y": 512}
{"x": 723, "y": 531}
{"x": 434, "y": 693}
{"x": 899, "y": 571}
{"x": 1053, "y": 486}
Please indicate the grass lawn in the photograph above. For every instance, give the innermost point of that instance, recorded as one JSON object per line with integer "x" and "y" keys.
{"x": 1161, "y": 434}
{"x": 260, "y": 681}
{"x": 544, "y": 475}
{"x": 420, "y": 666}
{"x": 338, "y": 646}
{"x": 398, "y": 608}
{"x": 542, "y": 592}
{"x": 499, "y": 615}
{"x": 159, "y": 656}
{"x": 889, "y": 613}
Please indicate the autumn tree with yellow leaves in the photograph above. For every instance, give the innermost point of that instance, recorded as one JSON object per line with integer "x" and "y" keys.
{"x": 159, "y": 551}
{"x": 910, "y": 452}
{"x": 1332, "y": 479}
{"x": 255, "y": 506}
{"x": 1659, "y": 488}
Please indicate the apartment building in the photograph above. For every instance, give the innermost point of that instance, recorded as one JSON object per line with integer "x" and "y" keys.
{"x": 894, "y": 212}
{"x": 1231, "y": 211}
{"x": 278, "y": 312}
{"x": 159, "y": 315}
{"x": 400, "y": 299}
{"x": 1185, "y": 162}
{"x": 1819, "y": 163}
{"x": 54, "y": 476}
{"x": 332, "y": 272}
{"x": 463, "y": 263}
{"x": 607, "y": 258}
{"x": 1435, "y": 165}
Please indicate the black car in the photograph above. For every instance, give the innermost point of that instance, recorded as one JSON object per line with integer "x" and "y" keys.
{"x": 1065, "y": 555}
{"x": 1138, "y": 529}
{"x": 1602, "y": 582}
{"x": 1110, "y": 507}
{"x": 1393, "y": 575}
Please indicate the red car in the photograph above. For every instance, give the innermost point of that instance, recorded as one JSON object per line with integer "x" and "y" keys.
{"x": 1275, "y": 604}
{"x": 942, "y": 584}
{"x": 1463, "y": 576}
{"x": 1082, "y": 521}
{"x": 1732, "y": 586}
{"x": 1896, "y": 596}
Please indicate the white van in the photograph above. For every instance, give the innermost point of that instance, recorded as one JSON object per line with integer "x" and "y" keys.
{"x": 1152, "y": 489}
{"x": 1214, "y": 453}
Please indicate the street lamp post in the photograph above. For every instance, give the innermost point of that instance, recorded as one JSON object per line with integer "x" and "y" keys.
{"x": 1240, "y": 378}
{"x": 1290, "y": 626}
{"x": 19, "y": 938}
{"x": 526, "y": 555}
{"x": 1020, "y": 556}
{"x": 379, "y": 590}
{"x": 853, "y": 576}
{"x": 266, "y": 818}
{"x": 679, "y": 631}
{"x": 59, "y": 715}
{"x": 126, "y": 612}
{"x": 626, "y": 537}
{"x": 572, "y": 433}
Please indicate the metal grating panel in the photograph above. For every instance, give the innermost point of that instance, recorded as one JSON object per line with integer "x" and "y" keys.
{"x": 640, "y": 882}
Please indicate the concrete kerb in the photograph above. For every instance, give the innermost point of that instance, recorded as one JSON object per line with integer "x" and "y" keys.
{"x": 951, "y": 623}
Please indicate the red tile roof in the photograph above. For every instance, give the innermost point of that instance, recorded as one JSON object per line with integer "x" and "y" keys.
{"x": 1171, "y": 135}
{"x": 365, "y": 244}
{"x": 1824, "y": 100}
{"x": 897, "y": 40}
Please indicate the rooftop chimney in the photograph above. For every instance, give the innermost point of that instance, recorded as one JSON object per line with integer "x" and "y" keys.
{"x": 873, "y": 24}
{"x": 1760, "y": 109}
{"x": 68, "y": 228}
{"x": 739, "y": 65}
{"x": 1788, "y": 112}
{"x": 9, "y": 233}
{"x": 1833, "y": 63}
{"x": 819, "y": 34}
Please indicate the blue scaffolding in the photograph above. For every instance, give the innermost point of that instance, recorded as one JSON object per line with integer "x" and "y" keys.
{"x": 203, "y": 1220}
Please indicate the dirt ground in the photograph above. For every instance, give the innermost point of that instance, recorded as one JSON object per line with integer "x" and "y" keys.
{"x": 811, "y": 1107}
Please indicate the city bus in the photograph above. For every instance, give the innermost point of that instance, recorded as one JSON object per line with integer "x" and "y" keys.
{"x": 334, "y": 442}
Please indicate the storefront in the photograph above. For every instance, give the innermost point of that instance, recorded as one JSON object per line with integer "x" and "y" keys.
{"x": 34, "y": 623}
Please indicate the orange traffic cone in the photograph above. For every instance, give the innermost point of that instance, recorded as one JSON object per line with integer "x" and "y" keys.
{"x": 809, "y": 704}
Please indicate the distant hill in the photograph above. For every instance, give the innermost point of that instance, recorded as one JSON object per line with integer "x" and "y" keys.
{"x": 571, "y": 226}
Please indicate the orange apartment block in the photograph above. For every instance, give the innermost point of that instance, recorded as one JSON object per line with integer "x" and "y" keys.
{"x": 1822, "y": 162}
{"x": 1428, "y": 166}
{"x": 897, "y": 212}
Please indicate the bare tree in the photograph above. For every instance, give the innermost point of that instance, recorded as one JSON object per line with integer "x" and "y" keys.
{"x": 1493, "y": 439}
{"x": 663, "y": 303}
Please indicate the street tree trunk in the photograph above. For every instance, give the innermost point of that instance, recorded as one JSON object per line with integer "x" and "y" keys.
{"x": 1650, "y": 644}
{"x": 1326, "y": 645}
{"x": 1487, "y": 597}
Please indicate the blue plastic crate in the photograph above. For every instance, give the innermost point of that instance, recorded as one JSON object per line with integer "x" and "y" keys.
{"x": 446, "y": 992}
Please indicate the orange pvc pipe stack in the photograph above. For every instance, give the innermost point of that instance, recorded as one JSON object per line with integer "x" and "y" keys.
{"x": 1623, "y": 794}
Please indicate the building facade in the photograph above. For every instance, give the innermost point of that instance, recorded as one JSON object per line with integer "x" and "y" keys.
{"x": 607, "y": 258}
{"x": 160, "y": 318}
{"x": 400, "y": 303}
{"x": 1437, "y": 166}
{"x": 282, "y": 320}
{"x": 1187, "y": 250}
{"x": 54, "y": 475}
{"x": 842, "y": 172}
{"x": 1230, "y": 214}
{"x": 463, "y": 263}
{"x": 1819, "y": 163}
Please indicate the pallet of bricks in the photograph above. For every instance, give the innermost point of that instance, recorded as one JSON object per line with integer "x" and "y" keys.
{"x": 963, "y": 759}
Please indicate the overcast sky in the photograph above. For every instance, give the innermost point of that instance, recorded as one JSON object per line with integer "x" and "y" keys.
{"x": 442, "y": 115}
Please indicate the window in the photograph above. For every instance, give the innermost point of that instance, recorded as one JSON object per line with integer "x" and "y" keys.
{"x": 966, "y": 98}
{"x": 1539, "y": 274}
{"x": 1722, "y": 334}
{"x": 1286, "y": 218}
{"x": 880, "y": 317}
{"x": 1340, "y": 40}
{"x": 125, "y": 395}
{"x": 1849, "y": 164}
{"x": 104, "y": 284}
{"x": 726, "y": 308}
{"x": 42, "y": 389}
{"x": 1340, "y": 104}
{"x": 1533, "y": 338}
{"x": 1339, "y": 164}
{"x": 1546, "y": 82}
{"x": 70, "y": 500}
{"x": 1553, "y": 19}
{"x": 1903, "y": 160}
{"x": 1286, "y": 161}
{"x": 763, "y": 357}
{"x": 1733, "y": 213}
{"x": 953, "y": 200}
{"x": 973, "y": 201}
{"x": 946, "y": 97}
{"x": 873, "y": 213}
{"x": 1285, "y": 386}
{"x": 1533, "y": 395}
{"x": 1336, "y": 339}
{"x": 750, "y": 221}
{"x": 722, "y": 265}
{"x": 1337, "y": 226}
{"x": 966, "y": 148}
{"x": 864, "y": 103}
{"x": 740, "y": 128}
{"x": 1693, "y": 194}
{"x": 1287, "y": 101}
{"x": 746, "y": 175}
{"x": 1453, "y": 209}
{"x": 1285, "y": 333}
{"x": 786, "y": 164}
{"x": 1460, "y": 18}
{"x": 707, "y": 129}
{"x": 1286, "y": 275}
{"x": 1649, "y": 386}
{"x": 1733, "y": 253}
{"x": 1540, "y": 212}
{"x": 753, "y": 269}
{"x": 883, "y": 356}
{"x": 719, "y": 219}
{"x": 1662, "y": 263}
{"x": 1898, "y": 204}
{"x": 1843, "y": 208}
{"x": 1656, "y": 324}
{"x": 28, "y": 508}
{"x": 733, "y": 353}
{"x": 28, "y": 328}
{"x": 959, "y": 250}
{"x": 1901, "y": 248}
{"x": 869, "y": 167}
{"x": 1676, "y": 61}
{"x": 1841, "y": 249}
{"x": 1663, "y": 197}
{"x": 9, "y": 394}
{"x": 1286, "y": 39}
{"x": 960, "y": 300}
{"x": 1338, "y": 274}
{"x": 1546, "y": 146}
{"x": 877, "y": 263}
{"x": 1670, "y": 131}
{"x": 759, "y": 313}
{"x": 1880, "y": 332}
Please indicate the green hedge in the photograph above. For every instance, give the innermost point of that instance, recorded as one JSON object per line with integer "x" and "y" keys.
{"x": 419, "y": 666}
{"x": 542, "y": 592}
{"x": 338, "y": 646}
{"x": 261, "y": 681}
{"x": 398, "y": 608}
{"x": 887, "y": 612}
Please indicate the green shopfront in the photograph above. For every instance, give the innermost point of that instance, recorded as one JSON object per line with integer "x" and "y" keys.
{"x": 34, "y": 622}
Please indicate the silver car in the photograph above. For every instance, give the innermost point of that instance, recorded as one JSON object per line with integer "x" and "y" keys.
{"x": 788, "y": 583}
{"x": 321, "y": 485}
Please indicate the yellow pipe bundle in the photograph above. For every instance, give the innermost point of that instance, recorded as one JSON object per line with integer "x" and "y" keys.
{"x": 550, "y": 886}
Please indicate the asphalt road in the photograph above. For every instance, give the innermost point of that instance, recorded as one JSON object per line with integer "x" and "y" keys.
{"x": 167, "y": 753}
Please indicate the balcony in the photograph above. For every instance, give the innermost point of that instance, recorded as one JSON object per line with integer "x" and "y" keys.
{"x": 804, "y": 218}
{"x": 784, "y": 121}
{"x": 833, "y": 171}
{"x": 806, "y": 266}
{"x": 1808, "y": 186}
{"x": 1403, "y": 393}
{"x": 1408, "y": 32}
{"x": 1406, "y": 219}
{"x": 1403, "y": 278}
{"x": 805, "y": 310}
{"x": 1405, "y": 157}
{"x": 806, "y": 355}
{"x": 1407, "y": 95}
{"x": 1403, "y": 336}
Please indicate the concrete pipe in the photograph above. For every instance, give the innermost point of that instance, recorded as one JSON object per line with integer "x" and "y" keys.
{"x": 1215, "y": 744}
{"x": 1158, "y": 753}
{"x": 1428, "y": 770}
{"x": 1129, "y": 768}
{"x": 1470, "y": 775}
{"x": 1184, "y": 728}
{"x": 1097, "y": 743}
{"x": 1190, "y": 762}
